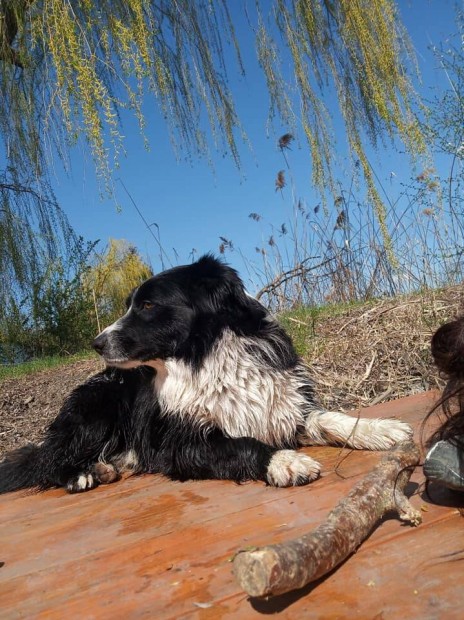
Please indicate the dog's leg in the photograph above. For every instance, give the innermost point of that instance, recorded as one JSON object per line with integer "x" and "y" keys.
{"x": 87, "y": 439}
{"x": 332, "y": 427}
{"x": 80, "y": 442}
{"x": 219, "y": 457}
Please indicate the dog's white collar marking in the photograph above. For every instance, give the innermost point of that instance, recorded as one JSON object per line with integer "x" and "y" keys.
{"x": 235, "y": 391}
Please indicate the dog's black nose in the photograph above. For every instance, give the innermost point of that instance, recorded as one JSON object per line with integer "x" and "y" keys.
{"x": 99, "y": 343}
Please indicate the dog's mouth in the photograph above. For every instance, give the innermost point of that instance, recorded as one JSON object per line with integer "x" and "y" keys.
{"x": 122, "y": 363}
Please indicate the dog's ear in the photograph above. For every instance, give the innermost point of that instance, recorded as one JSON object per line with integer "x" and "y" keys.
{"x": 215, "y": 281}
{"x": 218, "y": 296}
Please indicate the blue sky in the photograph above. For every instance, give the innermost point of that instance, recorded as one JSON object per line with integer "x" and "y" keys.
{"x": 194, "y": 205}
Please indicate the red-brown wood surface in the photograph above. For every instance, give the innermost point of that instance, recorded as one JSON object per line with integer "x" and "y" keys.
{"x": 147, "y": 547}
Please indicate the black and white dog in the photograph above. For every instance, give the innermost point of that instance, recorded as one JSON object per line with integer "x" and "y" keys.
{"x": 201, "y": 383}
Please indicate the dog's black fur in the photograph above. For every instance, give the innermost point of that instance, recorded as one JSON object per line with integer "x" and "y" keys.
{"x": 177, "y": 322}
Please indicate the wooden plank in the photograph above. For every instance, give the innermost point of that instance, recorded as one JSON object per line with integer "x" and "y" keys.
{"x": 149, "y": 547}
{"x": 158, "y": 510}
{"x": 160, "y": 574}
{"x": 410, "y": 575}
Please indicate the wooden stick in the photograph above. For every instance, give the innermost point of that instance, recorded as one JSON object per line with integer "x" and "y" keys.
{"x": 276, "y": 569}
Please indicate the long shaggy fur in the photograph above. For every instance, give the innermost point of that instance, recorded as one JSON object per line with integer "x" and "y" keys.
{"x": 448, "y": 354}
{"x": 202, "y": 382}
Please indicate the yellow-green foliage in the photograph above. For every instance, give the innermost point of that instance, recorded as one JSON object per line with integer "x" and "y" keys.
{"x": 83, "y": 62}
{"x": 115, "y": 273}
{"x": 360, "y": 47}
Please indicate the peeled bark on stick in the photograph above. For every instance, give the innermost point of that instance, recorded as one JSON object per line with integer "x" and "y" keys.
{"x": 276, "y": 569}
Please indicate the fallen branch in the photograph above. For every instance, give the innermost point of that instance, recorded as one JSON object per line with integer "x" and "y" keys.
{"x": 276, "y": 569}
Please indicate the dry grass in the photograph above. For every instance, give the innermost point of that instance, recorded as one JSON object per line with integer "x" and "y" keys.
{"x": 372, "y": 353}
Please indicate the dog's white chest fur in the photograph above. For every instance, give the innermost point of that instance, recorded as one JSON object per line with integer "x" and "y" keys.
{"x": 234, "y": 391}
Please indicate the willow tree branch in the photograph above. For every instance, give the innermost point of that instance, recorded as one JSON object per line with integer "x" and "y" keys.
{"x": 12, "y": 15}
{"x": 276, "y": 569}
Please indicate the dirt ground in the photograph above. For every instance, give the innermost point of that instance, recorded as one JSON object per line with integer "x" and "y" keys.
{"x": 28, "y": 404}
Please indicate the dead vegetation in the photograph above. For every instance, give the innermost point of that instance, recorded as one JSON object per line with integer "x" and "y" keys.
{"x": 360, "y": 356}
{"x": 376, "y": 352}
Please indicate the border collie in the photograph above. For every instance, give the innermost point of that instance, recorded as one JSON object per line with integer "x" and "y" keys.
{"x": 201, "y": 382}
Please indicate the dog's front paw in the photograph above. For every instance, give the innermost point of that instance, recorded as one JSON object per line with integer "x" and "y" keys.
{"x": 100, "y": 473}
{"x": 81, "y": 482}
{"x": 389, "y": 432}
{"x": 289, "y": 468}
{"x": 105, "y": 473}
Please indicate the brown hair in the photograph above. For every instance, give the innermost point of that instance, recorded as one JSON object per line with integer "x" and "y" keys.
{"x": 448, "y": 353}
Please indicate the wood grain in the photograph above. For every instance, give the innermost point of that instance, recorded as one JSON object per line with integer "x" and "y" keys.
{"x": 147, "y": 547}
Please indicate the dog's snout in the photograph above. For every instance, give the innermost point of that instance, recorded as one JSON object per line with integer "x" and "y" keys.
{"x": 99, "y": 343}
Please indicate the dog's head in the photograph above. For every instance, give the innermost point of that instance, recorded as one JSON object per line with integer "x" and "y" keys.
{"x": 180, "y": 313}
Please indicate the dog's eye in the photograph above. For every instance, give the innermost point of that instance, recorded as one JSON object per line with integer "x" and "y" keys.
{"x": 147, "y": 305}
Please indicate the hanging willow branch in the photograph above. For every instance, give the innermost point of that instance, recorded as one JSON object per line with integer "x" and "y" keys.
{"x": 361, "y": 48}
{"x": 85, "y": 61}
{"x": 68, "y": 68}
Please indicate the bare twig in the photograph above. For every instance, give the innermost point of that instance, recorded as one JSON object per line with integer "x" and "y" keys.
{"x": 378, "y": 312}
{"x": 367, "y": 374}
{"x": 381, "y": 397}
{"x": 21, "y": 189}
{"x": 357, "y": 319}
{"x": 290, "y": 318}
{"x": 299, "y": 271}
{"x": 276, "y": 569}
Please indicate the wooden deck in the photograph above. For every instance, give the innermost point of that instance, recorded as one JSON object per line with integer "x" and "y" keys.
{"x": 147, "y": 547}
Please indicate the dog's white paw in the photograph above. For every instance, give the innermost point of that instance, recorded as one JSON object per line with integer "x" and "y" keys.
{"x": 81, "y": 482}
{"x": 387, "y": 433}
{"x": 336, "y": 428}
{"x": 289, "y": 468}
